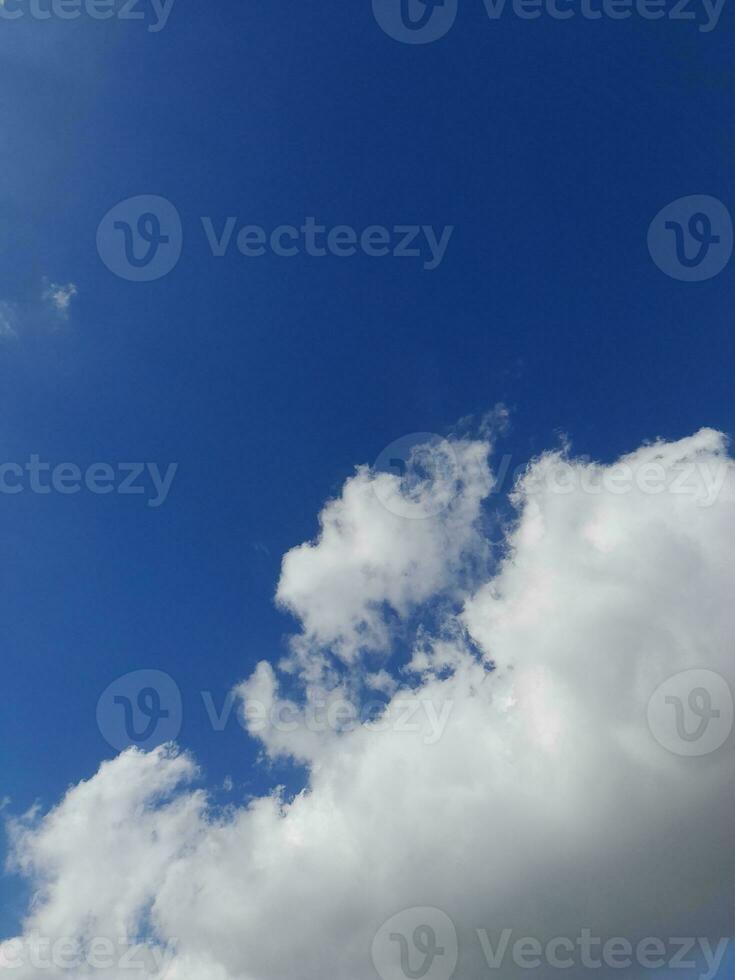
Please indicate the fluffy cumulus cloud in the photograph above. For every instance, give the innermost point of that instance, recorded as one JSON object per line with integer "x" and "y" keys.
{"x": 518, "y": 781}
{"x": 380, "y": 550}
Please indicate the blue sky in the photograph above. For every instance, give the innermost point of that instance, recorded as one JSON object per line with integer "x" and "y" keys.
{"x": 548, "y": 145}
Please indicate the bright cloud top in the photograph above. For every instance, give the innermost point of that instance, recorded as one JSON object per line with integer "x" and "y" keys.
{"x": 376, "y": 556}
{"x": 547, "y": 806}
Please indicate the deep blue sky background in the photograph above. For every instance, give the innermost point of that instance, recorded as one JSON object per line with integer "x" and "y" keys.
{"x": 549, "y": 145}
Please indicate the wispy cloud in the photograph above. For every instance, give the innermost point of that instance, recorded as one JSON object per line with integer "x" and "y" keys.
{"x": 42, "y": 313}
{"x": 59, "y": 296}
{"x": 8, "y": 316}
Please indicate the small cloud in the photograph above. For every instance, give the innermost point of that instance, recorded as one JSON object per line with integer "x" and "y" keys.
{"x": 59, "y": 296}
{"x": 41, "y": 314}
{"x": 496, "y": 422}
{"x": 8, "y": 319}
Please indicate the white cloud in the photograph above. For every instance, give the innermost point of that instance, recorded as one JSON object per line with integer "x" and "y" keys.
{"x": 547, "y": 806}
{"x": 370, "y": 561}
{"x": 59, "y": 297}
{"x": 8, "y": 321}
{"x": 44, "y": 313}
